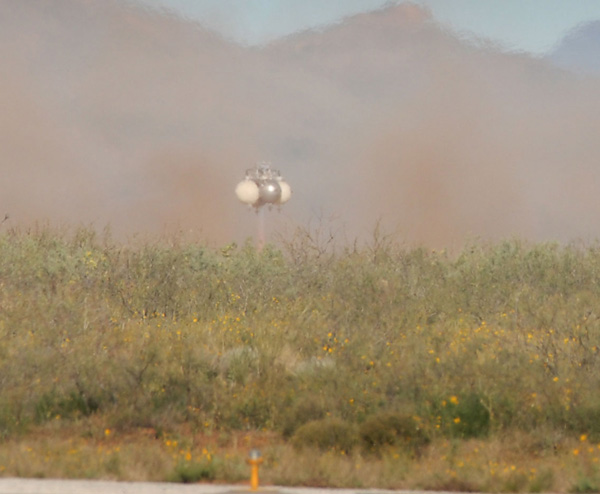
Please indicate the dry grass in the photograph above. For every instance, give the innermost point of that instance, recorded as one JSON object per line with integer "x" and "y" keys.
{"x": 169, "y": 361}
{"x": 499, "y": 464}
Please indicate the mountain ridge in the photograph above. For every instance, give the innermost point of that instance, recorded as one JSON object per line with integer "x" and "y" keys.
{"x": 579, "y": 50}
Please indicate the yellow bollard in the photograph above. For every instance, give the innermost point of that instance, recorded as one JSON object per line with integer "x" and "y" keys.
{"x": 254, "y": 461}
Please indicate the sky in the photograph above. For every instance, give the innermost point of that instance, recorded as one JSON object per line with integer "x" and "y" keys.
{"x": 532, "y": 26}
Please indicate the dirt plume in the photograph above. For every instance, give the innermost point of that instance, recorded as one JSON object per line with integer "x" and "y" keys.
{"x": 115, "y": 115}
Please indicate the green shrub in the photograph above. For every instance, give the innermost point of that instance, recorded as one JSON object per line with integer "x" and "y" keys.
{"x": 306, "y": 410}
{"x": 328, "y": 433}
{"x": 542, "y": 481}
{"x": 392, "y": 429}
{"x": 585, "y": 485}
{"x": 474, "y": 417}
{"x": 252, "y": 412}
{"x": 463, "y": 416}
{"x": 189, "y": 472}
{"x": 73, "y": 405}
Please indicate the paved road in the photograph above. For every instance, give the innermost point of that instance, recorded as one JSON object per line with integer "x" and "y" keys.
{"x": 51, "y": 486}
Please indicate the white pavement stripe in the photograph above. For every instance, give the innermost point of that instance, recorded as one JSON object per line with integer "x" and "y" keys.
{"x": 58, "y": 486}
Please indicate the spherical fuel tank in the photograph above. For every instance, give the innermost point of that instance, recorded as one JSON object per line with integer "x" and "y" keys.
{"x": 286, "y": 192}
{"x": 269, "y": 191}
{"x": 247, "y": 192}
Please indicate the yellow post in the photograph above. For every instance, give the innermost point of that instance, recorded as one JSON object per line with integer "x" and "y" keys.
{"x": 254, "y": 461}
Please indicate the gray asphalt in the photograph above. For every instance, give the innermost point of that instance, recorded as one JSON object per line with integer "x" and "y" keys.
{"x": 56, "y": 486}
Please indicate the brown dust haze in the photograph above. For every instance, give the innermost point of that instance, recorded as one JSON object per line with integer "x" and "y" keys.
{"x": 114, "y": 115}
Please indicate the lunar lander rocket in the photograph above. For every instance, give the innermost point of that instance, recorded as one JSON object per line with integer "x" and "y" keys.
{"x": 263, "y": 186}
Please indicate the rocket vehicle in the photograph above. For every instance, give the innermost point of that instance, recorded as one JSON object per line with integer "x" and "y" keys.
{"x": 261, "y": 186}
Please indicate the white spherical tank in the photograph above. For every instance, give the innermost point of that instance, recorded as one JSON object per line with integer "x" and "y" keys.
{"x": 247, "y": 191}
{"x": 286, "y": 192}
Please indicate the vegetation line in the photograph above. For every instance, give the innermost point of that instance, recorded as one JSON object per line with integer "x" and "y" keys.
{"x": 381, "y": 366}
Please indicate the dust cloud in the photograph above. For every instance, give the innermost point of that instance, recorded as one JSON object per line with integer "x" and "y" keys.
{"x": 116, "y": 115}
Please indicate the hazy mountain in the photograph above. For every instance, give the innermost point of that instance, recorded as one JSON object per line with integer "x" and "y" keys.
{"x": 454, "y": 140}
{"x": 579, "y": 51}
{"x": 114, "y": 114}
